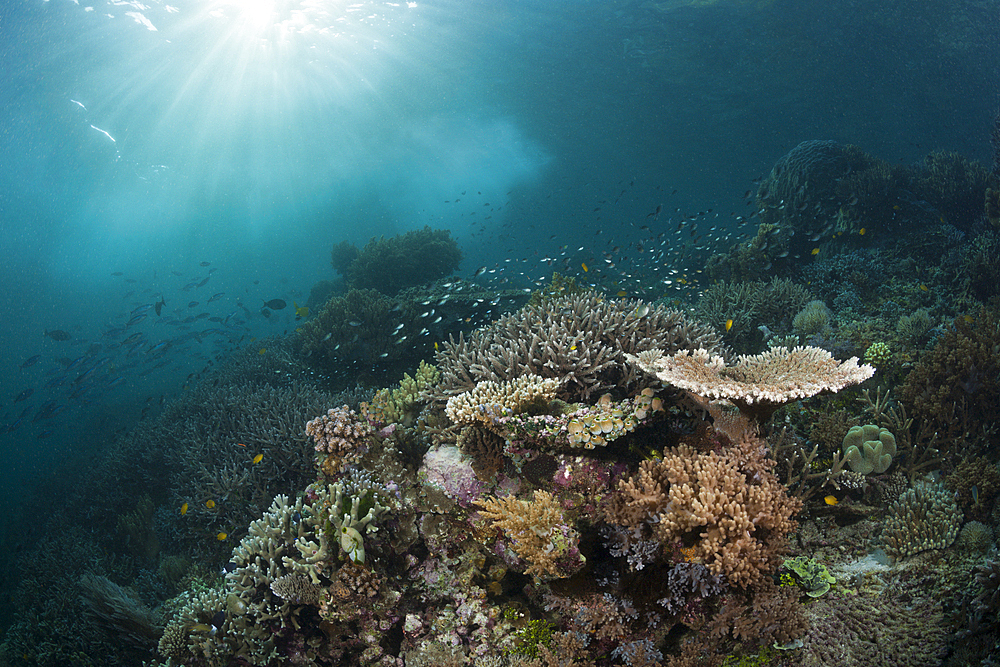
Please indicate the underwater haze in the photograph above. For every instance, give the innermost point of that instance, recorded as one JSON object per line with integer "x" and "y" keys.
{"x": 174, "y": 174}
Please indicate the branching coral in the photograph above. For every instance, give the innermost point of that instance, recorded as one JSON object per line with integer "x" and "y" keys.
{"x": 704, "y": 500}
{"x": 579, "y": 340}
{"x": 492, "y": 400}
{"x": 389, "y": 265}
{"x": 340, "y": 436}
{"x": 400, "y": 405}
{"x": 760, "y": 384}
{"x": 925, "y": 517}
{"x": 538, "y": 532}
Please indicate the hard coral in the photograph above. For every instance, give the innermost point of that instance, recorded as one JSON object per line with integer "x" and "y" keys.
{"x": 735, "y": 525}
{"x": 953, "y": 388}
{"x": 538, "y": 532}
{"x": 579, "y": 339}
{"x": 758, "y": 385}
{"x": 389, "y": 265}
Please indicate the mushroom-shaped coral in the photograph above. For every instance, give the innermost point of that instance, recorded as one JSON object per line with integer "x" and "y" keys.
{"x": 759, "y": 384}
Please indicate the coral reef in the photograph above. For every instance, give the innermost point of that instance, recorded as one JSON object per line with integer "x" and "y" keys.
{"x": 579, "y": 340}
{"x": 924, "y": 517}
{"x": 415, "y": 258}
{"x": 757, "y": 385}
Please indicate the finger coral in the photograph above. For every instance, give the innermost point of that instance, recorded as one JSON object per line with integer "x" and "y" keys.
{"x": 759, "y": 384}
{"x": 538, "y": 533}
{"x": 732, "y": 524}
{"x": 925, "y": 517}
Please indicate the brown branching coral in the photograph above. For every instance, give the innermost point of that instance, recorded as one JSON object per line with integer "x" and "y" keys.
{"x": 760, "y": 384}
{"x": 733, "y": 524}
{"x": 538, "y": 533}
{"x": 578, "y": 339}
{"x": 954, "y": 387}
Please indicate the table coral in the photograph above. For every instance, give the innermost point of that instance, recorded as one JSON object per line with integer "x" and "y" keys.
{"x": 759, "y": 384}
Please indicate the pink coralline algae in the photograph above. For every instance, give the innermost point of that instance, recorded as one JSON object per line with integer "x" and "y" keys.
{"x": 445, "y": 468}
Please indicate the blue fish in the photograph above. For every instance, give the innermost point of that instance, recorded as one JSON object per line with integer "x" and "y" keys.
{"x": 31, "y": 361}
{"x": 24, "y": 395}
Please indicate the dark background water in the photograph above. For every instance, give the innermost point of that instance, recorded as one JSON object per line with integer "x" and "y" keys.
{"x": 147, "y": 140}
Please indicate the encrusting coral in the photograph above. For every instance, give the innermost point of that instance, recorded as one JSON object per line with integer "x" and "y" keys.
{"x": 760, "y": 384}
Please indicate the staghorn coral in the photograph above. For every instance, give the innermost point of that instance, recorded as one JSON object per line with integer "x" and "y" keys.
{"x": 538, "y": 533}
{"x": 579, "y": 340}
{"x": 732, "y": 524}
{"x": 924, "y": 517}
{"x": 757, "y": 385}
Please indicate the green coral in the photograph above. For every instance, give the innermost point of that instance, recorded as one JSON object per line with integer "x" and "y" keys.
{"x": 869, "y": 449}
{"x": 350, "y": 509}
{"x": 810, "y": 575}
{"x": 538, "y": 631}
{"x": 878, "y": 354}
{"x": 400, "y": 405}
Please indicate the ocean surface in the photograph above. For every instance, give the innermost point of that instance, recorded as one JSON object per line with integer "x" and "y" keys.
{"x": 175, "y": 174}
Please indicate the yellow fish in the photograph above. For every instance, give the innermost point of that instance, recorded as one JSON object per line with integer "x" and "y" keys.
{"x": 729, "y": 324}
{"x": 968, "y": 318}
{"x": 300, "y": 311}
{"x": 923, "y": 288}
{"x": 584, "y": 265}
{"x": 222, "y": 537}
{"x": 861, "y": 231}
{"x": 262, "y": 350}
{"x": 815, "y": 251}
{"x": 831, "y": 500}
{"x": 209, "y": 504}
{"x": 257, "y": 459}
{"x": 184, "y": 509}
{"x": 622, "y": 292}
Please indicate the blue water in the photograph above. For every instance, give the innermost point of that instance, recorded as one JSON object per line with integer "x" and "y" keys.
{"x": 146, "y": 147}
